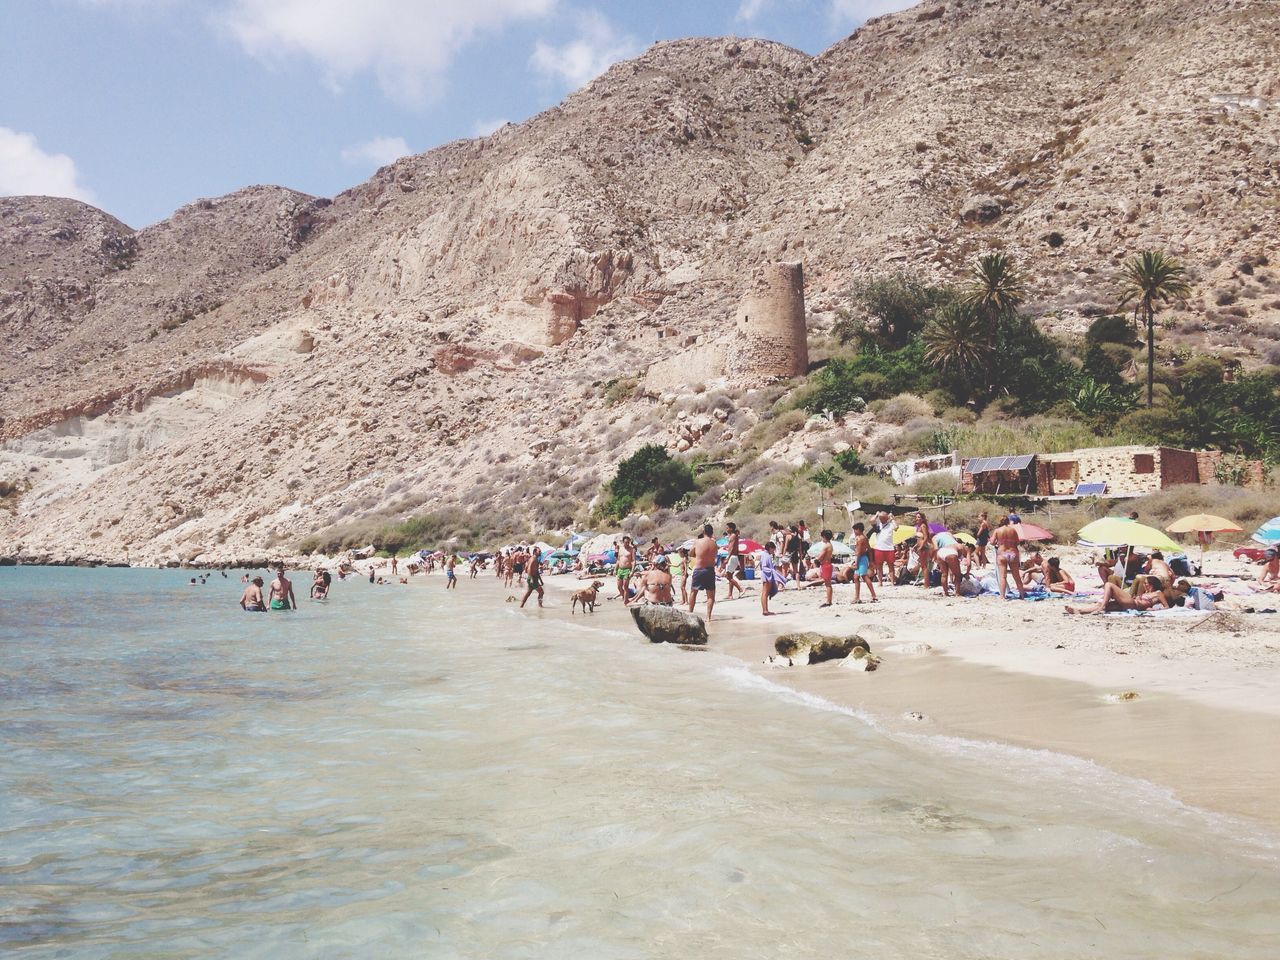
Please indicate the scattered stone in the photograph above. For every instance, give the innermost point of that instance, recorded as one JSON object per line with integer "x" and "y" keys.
{"x": 1124, "y": 697}
{"x": 981, "y": 209}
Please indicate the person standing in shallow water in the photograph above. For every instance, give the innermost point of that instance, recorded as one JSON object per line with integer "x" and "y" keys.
{"x": 533, "y": 578}
{"x": 704, "y": 569}
{"x": 251, "y": 599}
{"x": 450, "y": 571}
{"x": 280, "y": 595}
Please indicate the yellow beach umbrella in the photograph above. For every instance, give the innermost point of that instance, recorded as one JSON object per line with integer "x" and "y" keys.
{"x": 967, "y": 538}
{"x": 902, "y": 533}
{"x": 1120, "y": 532}
{"x": 1204, "y": 523}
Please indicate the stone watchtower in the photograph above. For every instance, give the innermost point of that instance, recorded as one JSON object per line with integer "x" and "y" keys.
{"x": 770, "y": 339}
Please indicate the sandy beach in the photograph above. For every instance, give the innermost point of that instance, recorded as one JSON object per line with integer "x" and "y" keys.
{"x": 1183, "y": 700}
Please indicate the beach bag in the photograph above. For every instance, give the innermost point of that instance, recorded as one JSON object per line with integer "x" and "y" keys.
{"x": 969, "y": 586}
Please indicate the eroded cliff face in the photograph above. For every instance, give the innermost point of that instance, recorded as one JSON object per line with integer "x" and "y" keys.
{"x": 265, "y": 364}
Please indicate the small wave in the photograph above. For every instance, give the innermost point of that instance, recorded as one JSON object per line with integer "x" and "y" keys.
{"x": 745, "y": 679}
{"x": 1070, "y": 773}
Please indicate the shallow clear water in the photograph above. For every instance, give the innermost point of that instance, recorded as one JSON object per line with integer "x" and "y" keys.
{"x": 405, "y": 773}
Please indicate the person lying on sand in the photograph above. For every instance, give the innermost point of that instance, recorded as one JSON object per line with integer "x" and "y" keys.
{"x": 1116, "y": 599}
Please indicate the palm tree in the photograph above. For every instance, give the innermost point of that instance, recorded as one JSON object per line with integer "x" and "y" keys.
{"x": 1149, "y": 277}
{"x": 995, "y": 287}
{"x": 957, "y": 339}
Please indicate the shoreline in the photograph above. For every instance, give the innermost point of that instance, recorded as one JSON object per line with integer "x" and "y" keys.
{"x": 1203, "y": 725}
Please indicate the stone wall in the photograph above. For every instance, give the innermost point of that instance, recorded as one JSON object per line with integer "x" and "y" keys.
{"x": 1207, "y": 466}
{"x": 692, "y": 365}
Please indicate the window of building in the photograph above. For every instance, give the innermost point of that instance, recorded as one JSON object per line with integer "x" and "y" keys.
{"x": 1144, "y": 463}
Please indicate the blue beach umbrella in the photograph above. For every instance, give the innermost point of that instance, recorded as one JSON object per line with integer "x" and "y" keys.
{"x": 1269, "y": 533}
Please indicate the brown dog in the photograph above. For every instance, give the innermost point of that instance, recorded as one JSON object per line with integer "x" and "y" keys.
{"x": 586, "y": 597}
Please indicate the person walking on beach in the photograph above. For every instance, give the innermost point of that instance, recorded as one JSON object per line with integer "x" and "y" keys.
{"x": 732, "y": 560}
{"x": 862, "y": 564}
{"x": 280, "y": 595}
{"x": 825, "y": 567}
{"x": 771, "y": 581}
{"x": 1007, "y": 554}
{"x": 626, "y": 564}
{"x": 450, "y": 572}
{"x": 534, "y": 578}
{"x": 704, "y": 569}
{"x": 884, "y": 550}
{"x": 251, "y": 599}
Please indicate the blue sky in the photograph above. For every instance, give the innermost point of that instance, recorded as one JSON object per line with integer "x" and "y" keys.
{"x": 140, "y": 106}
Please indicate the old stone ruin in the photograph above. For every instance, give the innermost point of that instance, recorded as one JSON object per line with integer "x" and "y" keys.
{"x": 769, "y": 338}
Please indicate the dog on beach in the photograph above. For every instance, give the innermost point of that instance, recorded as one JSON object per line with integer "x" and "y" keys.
{"x": 586, "y": 597}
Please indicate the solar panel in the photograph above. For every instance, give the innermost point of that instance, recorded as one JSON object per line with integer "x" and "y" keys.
{"x": 1018, "y": 463}
{"x": 993, "y": 464}
{"x": 1090, "y": 489}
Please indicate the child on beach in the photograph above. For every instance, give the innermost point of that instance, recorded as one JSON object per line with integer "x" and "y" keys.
{"x": 770, "y": 579}
{"x": 862, "y": 564}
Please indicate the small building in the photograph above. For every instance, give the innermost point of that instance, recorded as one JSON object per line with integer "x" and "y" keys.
{"x": 1117, "y": 471}
{"x": 998, "y": 474}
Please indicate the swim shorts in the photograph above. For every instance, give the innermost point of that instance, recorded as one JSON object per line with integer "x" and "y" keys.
{"x": 864, "y": 566}
{"x": 624, "y": 573}
{"x": 732, "y": 565}
{"x": 704, "y": 578}
{"x": 279, "y": 605}
{"x": 884, "y": 556}
{"x": 825, "y": 572}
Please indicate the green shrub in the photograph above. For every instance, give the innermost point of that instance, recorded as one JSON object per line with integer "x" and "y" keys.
{"x": 890, "y": 310}
{"x": 1110, "y": 329}
{"x": 650, "y": 471}
{"x": 850, "y": 461}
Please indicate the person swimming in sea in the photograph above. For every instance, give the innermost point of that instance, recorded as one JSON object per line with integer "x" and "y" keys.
{"x": 251, "y": 599}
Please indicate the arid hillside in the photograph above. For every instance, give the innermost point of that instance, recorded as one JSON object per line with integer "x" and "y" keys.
{"x": 465, "y": 327}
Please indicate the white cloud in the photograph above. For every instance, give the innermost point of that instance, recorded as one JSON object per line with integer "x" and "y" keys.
{"x": 860, "y": 11}
{"x": 482, "y": 128}
{"x": 596, "y": 48}
{"x": 750, "y": 9}
{"x": 377, "y": 152}
{"x": 408, "y": 44}
{"x": 25, "y": 169}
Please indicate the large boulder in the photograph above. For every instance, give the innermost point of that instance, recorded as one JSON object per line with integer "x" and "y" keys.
{"x": 818, "y": 647}
{"x": 669, "y": 625}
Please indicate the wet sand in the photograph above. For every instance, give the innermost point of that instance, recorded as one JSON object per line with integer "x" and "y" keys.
{"x": 1205, "y": 722}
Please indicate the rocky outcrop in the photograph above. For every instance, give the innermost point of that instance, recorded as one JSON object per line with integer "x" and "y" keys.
{"x": 819, "y": 647}
{"x": 669, "y": 625}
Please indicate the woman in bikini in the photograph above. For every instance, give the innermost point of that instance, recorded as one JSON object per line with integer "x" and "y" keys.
{"x": 1116, "y": 598}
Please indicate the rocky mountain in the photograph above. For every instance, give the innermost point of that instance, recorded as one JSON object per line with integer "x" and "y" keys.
{"x": 265, "y": 364}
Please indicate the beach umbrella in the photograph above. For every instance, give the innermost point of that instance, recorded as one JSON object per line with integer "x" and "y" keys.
{"x": 1120, "y": 532}
{"x": 747, "y": 545}
{"x": 1269, "y": 533}
{"x": 966, "y": 538}
{"x": 902, "y": 533}
{"x": 1205, "y": 525}
{"x": 939, "y": 528}
{"x": 838, "y": 549}
{"x": 1029, "y": 531}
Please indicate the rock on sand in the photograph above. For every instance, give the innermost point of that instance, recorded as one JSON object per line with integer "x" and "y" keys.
{"x": 669, "y": 625}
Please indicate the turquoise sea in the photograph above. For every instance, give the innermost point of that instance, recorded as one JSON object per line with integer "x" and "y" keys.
{"x": 407, "y": 773}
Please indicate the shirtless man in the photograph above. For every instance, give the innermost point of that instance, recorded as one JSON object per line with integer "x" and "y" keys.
{"x": 395, "y": 566}
{"x": 1157, "y": 567}
{"x": 626, "y": 564}
{"x": 251, "y": 599}
{"x": 534, "y": 578}
{"x": 655, "y": 583}
{"x": 280, "y": 595}
{"x": 451, "y": 574}
{"x": 825, "y": 568}
{"x": 1007, "y": 552}
{"x": 862, "y": 564}
{"x": 732, "y": 562}
{"x": 704, "y": 569}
